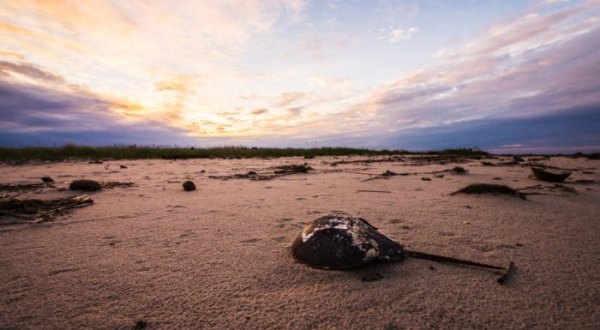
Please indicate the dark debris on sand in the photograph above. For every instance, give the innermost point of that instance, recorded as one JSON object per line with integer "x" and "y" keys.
{"x": 487, "y": 188}
{"x": 92, "y": 185}
{"x": 548, "y": 176}
{"x": 268, "y": 175}
{"x": 39, "y": 210}
{"x": 22, "y": 186}
{"x": 85, "y": 185}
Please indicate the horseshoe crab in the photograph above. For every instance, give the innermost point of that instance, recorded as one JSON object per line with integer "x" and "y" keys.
{"x": 341, "y": 242}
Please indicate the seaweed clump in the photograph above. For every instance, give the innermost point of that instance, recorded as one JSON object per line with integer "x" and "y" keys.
{"x": 38, "y": 210}
{"x": 294, "y": 168}
{"x": 85, "y": 185}
{"x": 487, "y": 188}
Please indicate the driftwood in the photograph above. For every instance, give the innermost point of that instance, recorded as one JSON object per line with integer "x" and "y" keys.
{"x": 487, "y": 188}
{"x": 23, "y": 186}
{"x": 38, "y": 210}
{"x": 276, "y": 172}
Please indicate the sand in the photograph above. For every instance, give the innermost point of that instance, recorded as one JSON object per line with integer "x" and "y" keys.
{"x": 219, "y": 257}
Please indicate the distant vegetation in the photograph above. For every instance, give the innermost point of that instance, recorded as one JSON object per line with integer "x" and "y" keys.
{"x": 76, "y": 152}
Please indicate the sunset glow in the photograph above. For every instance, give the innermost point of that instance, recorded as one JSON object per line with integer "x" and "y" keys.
{"x": 399, "y": 74}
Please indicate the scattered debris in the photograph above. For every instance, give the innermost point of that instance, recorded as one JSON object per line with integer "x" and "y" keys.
{"x": 385, "y": 175}
{"x": 277, "y": 172}
{"x": 584, "y": 181}
{"x": 115, "y": 184}
{"x": 544, "y": 175}
{"x": 369, "y": 160}
{"x": 38, "y": 210}
{"x": 487, "y": 188}
{"x": 294, "y": 168}
{"x": 22, "y": 186}
{"x": 189, "y": 186}
{"x": 85, "y": 185}
{"x": 534, "y": 190}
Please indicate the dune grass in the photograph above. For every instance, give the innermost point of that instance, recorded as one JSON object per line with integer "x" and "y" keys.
{"x": 76, "y": 152}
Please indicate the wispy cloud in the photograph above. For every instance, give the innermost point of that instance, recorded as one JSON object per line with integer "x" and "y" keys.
{"x": 535, "y": 64}
{"x": 400, "y": 34}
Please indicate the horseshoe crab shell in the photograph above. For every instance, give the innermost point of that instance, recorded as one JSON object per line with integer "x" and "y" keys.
{"x": 339, "y": 241}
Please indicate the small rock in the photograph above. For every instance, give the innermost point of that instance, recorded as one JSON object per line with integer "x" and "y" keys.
{"x": 459, "y": 170}
{"x": 123, "y": 166}
{"x": 189, "y": 186}
{"x": 86, "y": 185}
{"x": 425, "y": 179}
{"x": 47, "y": 179}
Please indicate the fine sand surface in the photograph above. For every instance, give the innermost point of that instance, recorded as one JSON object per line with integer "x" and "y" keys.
{"x": 219, "y": 257}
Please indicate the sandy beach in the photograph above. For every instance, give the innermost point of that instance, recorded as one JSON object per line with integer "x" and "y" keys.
{"x": 158, "y": 257}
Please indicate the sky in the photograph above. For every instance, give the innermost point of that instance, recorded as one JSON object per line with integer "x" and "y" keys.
{"x": 505, "y": 76}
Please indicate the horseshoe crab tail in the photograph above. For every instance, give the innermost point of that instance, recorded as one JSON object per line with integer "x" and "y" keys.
{"x": 450, "y": 260}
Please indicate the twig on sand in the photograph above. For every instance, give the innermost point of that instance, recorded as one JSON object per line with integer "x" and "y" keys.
{"x": 375, "y": 191}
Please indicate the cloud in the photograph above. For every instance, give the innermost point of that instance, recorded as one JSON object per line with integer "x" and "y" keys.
{"x": 288, "y": 98}
{"x": 259, "y": 112}
{"x": 60, "y": 112}
{"x": 521, "y": 68}
{"x": 400, "y": 34}
{"x": 29, "y": 70}
{"x": 295, "y": 111}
